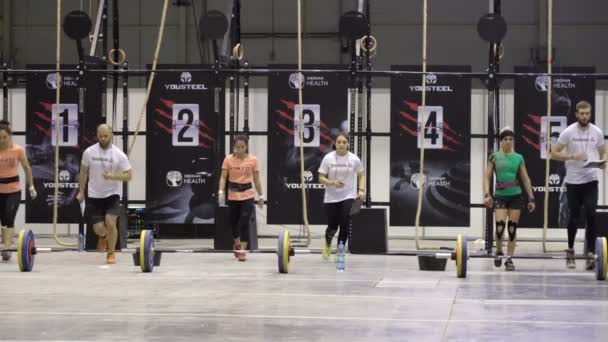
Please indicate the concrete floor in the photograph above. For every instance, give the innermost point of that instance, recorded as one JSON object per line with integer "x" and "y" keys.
{"x": 212, "y": 297}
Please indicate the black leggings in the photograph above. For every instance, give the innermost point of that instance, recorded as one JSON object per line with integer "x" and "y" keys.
{"x": 582, "y": 195}
{"x": 240, "y": 215}
{"x": 9, "y": 204}
{"x": 338, "y": 214}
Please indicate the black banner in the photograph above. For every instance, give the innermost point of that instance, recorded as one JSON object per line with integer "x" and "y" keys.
{"x": 530, "y": 127}
{"x": 184, "y": 128}
{"x": 325, "y": 107}
{"x": 77, "y": 132}
{"x": 447, "y": 162}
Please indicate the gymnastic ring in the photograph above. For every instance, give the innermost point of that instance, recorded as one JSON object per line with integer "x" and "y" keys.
{"x": 372, "y": 40}
{"x": 499, "y": 50}
{"x": 237, "y": 52}
{"x": 121, "y": 59}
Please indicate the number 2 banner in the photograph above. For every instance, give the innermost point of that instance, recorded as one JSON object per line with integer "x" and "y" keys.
{"x": 324, "y": 115}
{"x": 446, "y": 131}
{"x": 76, "y": 133}
{"x": 183, "y": 133}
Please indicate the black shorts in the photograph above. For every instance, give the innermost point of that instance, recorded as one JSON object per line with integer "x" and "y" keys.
{"x": 9, "y": 204}
{"x": 98, "y": 208}
{"x": 509, "y": 202}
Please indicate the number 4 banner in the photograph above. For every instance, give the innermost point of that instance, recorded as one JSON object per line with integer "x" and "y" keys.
{"x": 445, "y": 128}
{"x": 182, "y": 146}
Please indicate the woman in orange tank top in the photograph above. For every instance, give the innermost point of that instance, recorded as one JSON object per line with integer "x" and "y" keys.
{"x": 241, "y": 169}
{"x": 11, "y": 155}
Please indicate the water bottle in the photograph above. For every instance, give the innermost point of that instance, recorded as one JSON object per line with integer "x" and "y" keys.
{"x": 340, "y": 262}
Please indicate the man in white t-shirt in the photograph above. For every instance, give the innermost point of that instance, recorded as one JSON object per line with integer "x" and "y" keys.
{"x": 106, "y": 167}
{"x": 578, "y": 144}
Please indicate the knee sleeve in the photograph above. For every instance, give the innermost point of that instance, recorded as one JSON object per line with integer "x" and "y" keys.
{"x": 512, "y": 230}
{"x": 500, "y": 229}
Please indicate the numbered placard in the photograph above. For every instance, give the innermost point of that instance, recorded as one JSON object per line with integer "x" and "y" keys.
{"x": 433, "y": 127}
{"x": 68, "y": 124}
{"x": 557, "y": 125}
{"x": 311, "y": 123}
{"x": 185, "y": 124}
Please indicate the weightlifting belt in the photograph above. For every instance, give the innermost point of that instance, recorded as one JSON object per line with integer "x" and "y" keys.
{"x": 506, "y": 185}
{"x": 8, "y": 180}
{"x": 237, "y": 187}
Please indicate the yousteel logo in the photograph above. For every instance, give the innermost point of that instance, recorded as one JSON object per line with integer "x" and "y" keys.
{"x": 295, "y": 82}
{"x": 308, "y": 176}
{"x": 418, "y": 180}
{"x": 174, "y": 179}
{"x": 554, "y": 179}
{"x": 64, "y": 176}
{"x": 431, "y": 78}
{"x": 186, "y": 77}
{"x": 541, "y": 83}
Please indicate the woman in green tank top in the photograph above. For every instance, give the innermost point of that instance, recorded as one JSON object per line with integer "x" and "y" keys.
{"x": 511, "y": 175}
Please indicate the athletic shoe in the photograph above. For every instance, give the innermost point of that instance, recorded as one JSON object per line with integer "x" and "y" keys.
{"x": 242, "y": 256}
{"x": 509, "y": 265}
{"x": 570, "y": 263}
{"x": 236, "y": 248}
{"x": 326, "y": 251}
{"x": 111, "y": 258}
{"x": 6, "y": 256}
{"x": 498, "y": 259}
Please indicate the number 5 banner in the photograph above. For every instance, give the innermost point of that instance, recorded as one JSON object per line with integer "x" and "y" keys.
{"x": 531, "y": 126}
{"x": 446, "y": 129}
{"x": 324, "y": 115}
{"x": 182, "y": 140}
{"x": 76, "y": 133}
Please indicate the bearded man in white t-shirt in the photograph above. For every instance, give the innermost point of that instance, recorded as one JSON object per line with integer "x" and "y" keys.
{"x": 577, "y": 145}
{"x": 105, "y": 167}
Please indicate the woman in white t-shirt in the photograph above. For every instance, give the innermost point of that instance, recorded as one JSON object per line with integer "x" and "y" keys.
{"x": 337, "y": 172}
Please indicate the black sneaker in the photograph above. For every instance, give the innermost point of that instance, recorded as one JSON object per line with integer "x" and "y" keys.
{"x": 6, "y": 256}
{"x": 590, "y": 264}
{"x": 570, "y": 263}
{"x": 498, "y": 259}
{"x": 509, "y": 265}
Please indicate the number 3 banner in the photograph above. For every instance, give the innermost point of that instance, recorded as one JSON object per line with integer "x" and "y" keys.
{"x": 324, "y": 115}
{"x": 76, "y": 133}
{"x": 182, "y": 140}
{"x": 446, "y": 129}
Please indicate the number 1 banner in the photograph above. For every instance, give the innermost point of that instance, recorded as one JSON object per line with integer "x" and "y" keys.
{"x": 324, "y": 115}
{"x": 184, "y": 115}
{"x": 446, "y": 132}
{"x": 76, "y": 133}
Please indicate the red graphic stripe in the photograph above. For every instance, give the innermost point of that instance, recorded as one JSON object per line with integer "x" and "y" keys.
{"x": 202, "y": 123}
{"x": 326, "y": 137}
{"x": 167, "y": 103}
{"x": 532, "y": 143}
{"x": 452, "y": 140}
{"x": 289, "y": 104}
{"x": 206, "y": 136}
{"x": 325, "y": 126}
{"x": 531, "y": 129}
{"x": 43, "y": 130}
{"x": 534, "y": 118}
{"x": 47, "y": 106}
{"x": 284, "y": 128}
{"x": 446, "y": 148}
{"x": 163, "y": 127}
{"x": 409, "y": 131}
{"x": 203, "y": 145}
{"x": 408, "y": 116}
{"x": 285, "y": 115}
{"x": 413, "y": 106}
{"x": 87, "y": 140}
{"x": 447, "y": 127}
{"x": 163, "y": 113}
{"x": 43, "y": 116}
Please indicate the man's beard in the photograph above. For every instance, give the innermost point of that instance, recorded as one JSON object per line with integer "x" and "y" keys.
{"x": 104, "y": 145}
{"x": 583, "y": 123}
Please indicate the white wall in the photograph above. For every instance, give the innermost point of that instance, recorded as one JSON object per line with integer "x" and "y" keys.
{"x": 380, "y": 150}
